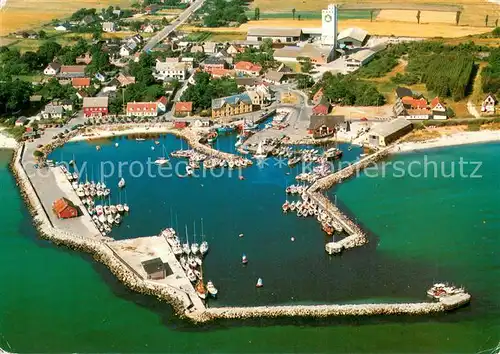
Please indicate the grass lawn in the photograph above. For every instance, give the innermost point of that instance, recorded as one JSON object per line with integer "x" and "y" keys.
{"x": 226, "y": 37}
{"x": 29, "y": 78}
{"x": 200, "y": 36}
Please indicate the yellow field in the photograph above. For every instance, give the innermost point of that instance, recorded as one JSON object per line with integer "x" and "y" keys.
{"x": 411, "y": 16}
{"x": 23, "y": 14}
{"x": 374, "y": 28}
{"x": 473, "y": 14}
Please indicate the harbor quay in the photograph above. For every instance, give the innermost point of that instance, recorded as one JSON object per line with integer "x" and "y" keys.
{"x": 126, "y": 258}
{"x": 134, "y": 252}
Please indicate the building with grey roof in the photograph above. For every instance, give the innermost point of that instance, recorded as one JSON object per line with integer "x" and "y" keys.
{"x": 283, "y": 35}
{"x": 385, "y": 133}
{"x": 352, "y": 37}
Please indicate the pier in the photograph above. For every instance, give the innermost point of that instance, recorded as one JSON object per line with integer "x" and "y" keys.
{"x": 444, "y": 304}
{"x": 356, "y": 236}
{"x": 132, "y": 252}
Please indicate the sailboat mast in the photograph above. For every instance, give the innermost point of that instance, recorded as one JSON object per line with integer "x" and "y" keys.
{"x": 187, "y": 237}
{"x": 194, "y": 231}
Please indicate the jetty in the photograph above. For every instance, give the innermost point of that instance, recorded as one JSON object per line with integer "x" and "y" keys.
{"x": 444, "y": 304}
{"x": 355, "y": 235}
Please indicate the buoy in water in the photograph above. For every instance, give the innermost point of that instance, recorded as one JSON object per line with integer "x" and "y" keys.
{"x": 242, "y": 178}
{"x": 116, "y": 144}
{"x": 152, "y": 147}
{"x": 260, "y": 283}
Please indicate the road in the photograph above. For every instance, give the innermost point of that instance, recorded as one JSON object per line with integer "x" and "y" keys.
{"x": 153, "y": 41}
{"x": 472, "y": 110}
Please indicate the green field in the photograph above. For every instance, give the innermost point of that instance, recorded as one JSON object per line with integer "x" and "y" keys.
{"x": 313, "y": 15}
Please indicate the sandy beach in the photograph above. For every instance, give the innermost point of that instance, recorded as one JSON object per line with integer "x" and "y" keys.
{"x": 6, "y": 141}
{"x": 459, "y": 138}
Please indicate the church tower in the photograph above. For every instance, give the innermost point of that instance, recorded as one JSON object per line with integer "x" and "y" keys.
{"x": 329, "y": 20}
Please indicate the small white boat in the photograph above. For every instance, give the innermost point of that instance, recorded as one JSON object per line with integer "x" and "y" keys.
{"x": 119, "y": 208}
{"x": 116, "y": 144}
{"x": 112, "y": 209}
{"x": 186, "y": 249}
{"x": 194, "y": 248}
{"x": 190, "y": 274}
{"x": 121, "y": 183}
{"x": 244, "y": 259}
{"x": 204, "y": 247}
{"x": 117, "y": 219}
{"x": 177, "y": 249}
{"x": 212, "y": 290}
{"x": 126, "y": 208}
{"x": 260, "y": 283}
{"x": 161, "y": 161}
{"x": 140, "y": 139}
{"x": 198, "y": 261}
{"x": 260, "y": 153}
{"x": 102, "y": 218}
{"x": 110, "y": 219}
{"x": 197, "y": 273}
{"x": 189, "y": 170}
{"x": 184, "y": 263}
{"x": 192, "y": 263}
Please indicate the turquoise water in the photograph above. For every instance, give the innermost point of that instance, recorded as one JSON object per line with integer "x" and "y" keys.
{"x": 422, "y": 229}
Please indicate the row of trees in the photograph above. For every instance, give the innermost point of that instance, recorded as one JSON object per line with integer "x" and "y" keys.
{"x": 220, "y": 13}
{"x": 206, "y": 89}
{"x": 14, "y": 94}
{"x": 349, "y": 90}
{"x": 490, "y": 76}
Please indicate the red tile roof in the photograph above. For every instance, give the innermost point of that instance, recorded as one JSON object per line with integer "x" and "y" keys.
{"x": 80, "y": 82}
{"x": 247, "y": 66}
{"x": 420, "y": 103}
{"x": 162, "y": 99}
{"x": 183, "y": 106}
{"x": 220, "y": 72}
{"x": 142, "y": 107}
{"x": 435, "y": 101}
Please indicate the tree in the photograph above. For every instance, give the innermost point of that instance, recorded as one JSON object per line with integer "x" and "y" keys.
{"x": 38, "y": 154}
{"x": 42, "y": 34}
{"x": 256, "y": 15}
{"x": 304, "y": 81}
{"x": 293, "y": 13}
{"x": 496, "y": 32}
{"x": 299, "y": 17}
{"x": 457, "y": 17}
{"x": 34, "y": 125}
{"x": 47, "y": 51}
{"x": 97, "y": 33}
{"x": 418, "y": 16}
{"x": 371, "y": 15}
{"x": 496, "y": 22}
{"x": 305, "y": 64}
{"x": 164, "y": 21}
{"x": 486, "y": 21}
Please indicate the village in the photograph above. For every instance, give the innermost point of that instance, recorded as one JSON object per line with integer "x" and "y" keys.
{"x": 202, "y": 83}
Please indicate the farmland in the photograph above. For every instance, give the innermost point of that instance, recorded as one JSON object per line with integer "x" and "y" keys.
{"x": 23, "y": 14}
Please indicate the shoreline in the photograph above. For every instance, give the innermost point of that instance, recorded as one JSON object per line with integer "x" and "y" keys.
{"x": 451, "y": 140}
{"x": 6, "y": 141}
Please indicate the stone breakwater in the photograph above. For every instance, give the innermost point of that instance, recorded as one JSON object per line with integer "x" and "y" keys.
{"x": 94, "y": 246}
{"x": 318, "y": 311}
{"x": 187, "y": 134}
{"x": 357, "y": 237}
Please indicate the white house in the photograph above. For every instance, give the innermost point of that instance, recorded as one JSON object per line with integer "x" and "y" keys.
{"x": 489, "y": 103}
{"x": 52, "y": 69}
{"x": 169, "y": 70}
{"x": 125, "y": 51}
{"x": 354, "y": 61}
{"x": 108, "y": 26}
{"x": 438, "y": 109}
{"x": 52, "y": 111}
{"x": 60, "y": 28}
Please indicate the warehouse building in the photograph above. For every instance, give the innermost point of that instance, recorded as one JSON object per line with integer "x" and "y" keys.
{"x": 283, "y": 35}
{"x": 385, "y": 133}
